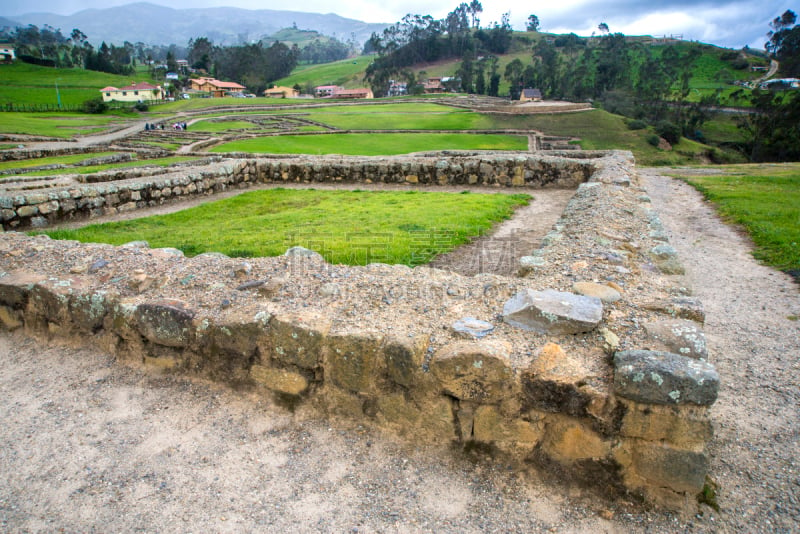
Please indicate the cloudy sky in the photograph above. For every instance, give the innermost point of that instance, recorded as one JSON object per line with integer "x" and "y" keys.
{"x": 729, "y": 23}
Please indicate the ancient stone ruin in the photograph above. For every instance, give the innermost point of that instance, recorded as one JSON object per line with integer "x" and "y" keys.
{"x": 591, "y": 361}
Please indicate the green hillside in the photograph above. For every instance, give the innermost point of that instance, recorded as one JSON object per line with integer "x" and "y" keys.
{"x": 22, "y": 83}
{"x": 714, "y": 70}
{"x": 347, "y": 73}
{"x": 292, "y": 36}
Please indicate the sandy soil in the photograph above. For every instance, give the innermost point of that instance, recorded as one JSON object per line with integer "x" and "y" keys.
{"x": 89, "y": 445}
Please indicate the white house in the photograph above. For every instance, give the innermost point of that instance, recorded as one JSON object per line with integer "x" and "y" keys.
{"x": 7, "y": 52}
{"x": 137, "y": 92}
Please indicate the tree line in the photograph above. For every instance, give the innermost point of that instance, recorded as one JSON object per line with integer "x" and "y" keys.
{"x": 254, "y": 65}
{"x": 423, "y": 39}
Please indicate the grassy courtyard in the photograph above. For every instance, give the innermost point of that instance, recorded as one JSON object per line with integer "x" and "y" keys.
{"x": 372, "y": 144}
{"x": 347, "y": 227}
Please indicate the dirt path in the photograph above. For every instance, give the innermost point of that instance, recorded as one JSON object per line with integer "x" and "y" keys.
{"x": 90, "y": 445}
{"x": 753, "y": 338}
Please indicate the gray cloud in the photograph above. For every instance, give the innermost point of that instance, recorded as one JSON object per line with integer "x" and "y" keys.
{"x": 730, "y": 23}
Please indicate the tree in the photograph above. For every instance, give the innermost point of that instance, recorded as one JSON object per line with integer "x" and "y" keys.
{"x": 172, "y": 63}
{"x": 533, "y": 23}
{"x": 475, "y": 7}
{"x": 773, "y": 134}
{"x": 494, "y": 85}
{"x": 603, "y": 27}
{"x": 784, "y": 43}
{"x": 201, "y": 50}
{"x": 513, "y": 74}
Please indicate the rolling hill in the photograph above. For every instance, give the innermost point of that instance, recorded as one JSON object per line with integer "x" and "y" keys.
{"x": 153, "y": 24}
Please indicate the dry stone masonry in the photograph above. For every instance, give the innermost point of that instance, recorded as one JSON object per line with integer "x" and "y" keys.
{"x": 591, "y": 361}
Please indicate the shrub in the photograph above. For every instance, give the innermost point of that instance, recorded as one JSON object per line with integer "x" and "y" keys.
{"x": 740, "y": 63}
{"x": 637, "y": 124}
{"x": 654, "y": 140}
{"x": 94, "y": 105}
{"x": 669, "y": 131}
{"x": 141, "y": 106}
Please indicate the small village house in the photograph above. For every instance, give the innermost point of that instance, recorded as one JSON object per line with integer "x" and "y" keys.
{"x": 530, "y": 95}
{"x": 326, "y": 91}
{"x": 214, "y": 87}
{"x": 281, "y": 92}
{"x": 354, "y": 93}
{"x": 7, "y": 54}
{"x": 433, "y": 86}
{"x": 137, "y": 92}
{"x": 397, "y": 88}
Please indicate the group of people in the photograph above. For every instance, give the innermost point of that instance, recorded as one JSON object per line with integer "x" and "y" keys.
{"x": 176, "y": 126}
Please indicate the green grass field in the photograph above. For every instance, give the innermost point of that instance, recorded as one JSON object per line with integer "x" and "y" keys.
{"x": 8, "y": 166}
{"x": 222, "y": 126}
{"x": 347, "y": 227}
{"x": 764, "y": 199}
{"x": 372, "y": 144}
{"x": 61, "y": 125}
{"x": 22, "y": 83}
{"x": 92, "y": 169}
{"x": 347, "y": 73}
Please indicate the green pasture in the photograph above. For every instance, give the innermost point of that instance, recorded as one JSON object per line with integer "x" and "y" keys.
{"x": 347, "y": 73}
{"x": 72, "y": 159}
{"x": 764, "y": 199}
{"x": 372, "y": 144}
{"x": 193, "y": 104}
{"x": 599, "y": 130}
{"x": 22, "y": 83}
{"x": 62, "y": 125}
{"x": 222, "y": 126}
{"x": 380, "y": 116}
{"x": 346, "y": 227}
{"x": 385, "y": 119}
{"x": 92, "y": 169}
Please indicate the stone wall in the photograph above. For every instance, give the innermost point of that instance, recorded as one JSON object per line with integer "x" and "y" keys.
{"x": 591, "y": 362}
{"x": 45, "y": 207}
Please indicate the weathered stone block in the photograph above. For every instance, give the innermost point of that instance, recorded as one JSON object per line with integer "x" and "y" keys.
{"x": 664, "y": 466}
{"x": 88, "y": 310}
{"x": 683, "y": 426}
{"x": 601, "y": 291}
{"x": 555, "y": 382}
{"x": 50, "y": 298}
{"x": 48, "y": 207}
{"x": 353, "y": 361}
{"x": 27, "y": 211}
{"x": 404, "y": 357}
{"x": 167, "y": 322}
{"x": 10, "y": 318}
{"x": 296, "y": 338}
{"x": 239, "y": 332}
{"x": 474, "y": 371}
{"x": 652, "y": 377}
{"x": 679, "y": 336}
{"x": 491, "y": 427}
{"x": 683, "y": 307}
{"x": 553, "y": 312}
{"x": 15, "y": 288}
{"x": 432, "y": 421}
{"x": 567, "y": 440}
{"x": 279, "y": 380}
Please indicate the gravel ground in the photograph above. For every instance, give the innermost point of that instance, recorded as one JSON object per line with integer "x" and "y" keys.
{"x": 89, "y": 445}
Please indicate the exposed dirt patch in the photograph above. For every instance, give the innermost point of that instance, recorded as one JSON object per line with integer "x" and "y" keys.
{"x": 499, "y": 251}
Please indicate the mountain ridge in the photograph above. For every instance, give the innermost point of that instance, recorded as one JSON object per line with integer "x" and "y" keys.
{"x": 162, "y": 25}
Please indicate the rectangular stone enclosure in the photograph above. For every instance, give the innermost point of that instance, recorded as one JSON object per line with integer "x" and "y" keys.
{"x": 592, "y": 359}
